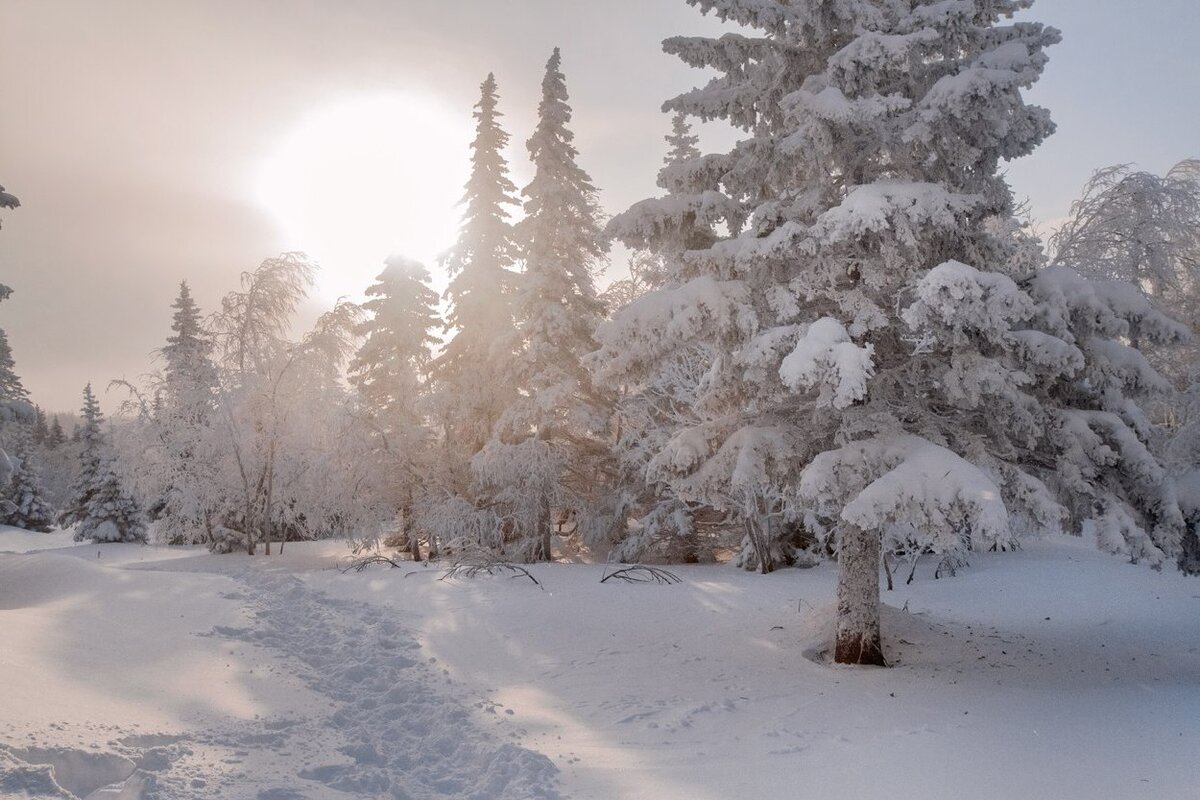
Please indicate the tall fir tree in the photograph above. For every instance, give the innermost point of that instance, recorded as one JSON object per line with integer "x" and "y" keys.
{"x": 472, "y": 375}
{"x": 14, "y": 400}
{"x": 99, "y": 506}
{"x": 189, "y": 376}
{"x": 391, "y": 366}
{"x": 23, "y": 502}
{"x": 57, "y": 436}
{"x": 89, "y": 435}
{"x": 647, "y": 264}
{"x": 390, "y": 371}
{"x": 555, "y": 432}
{"x": 892, "y": 363}
{"x": 41, "y": 427}
{"x": 654, "y": 405}
{"x": 179, "y": 414}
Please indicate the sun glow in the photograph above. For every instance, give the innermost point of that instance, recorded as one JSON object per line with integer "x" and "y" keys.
{"x": 365, "y": 178}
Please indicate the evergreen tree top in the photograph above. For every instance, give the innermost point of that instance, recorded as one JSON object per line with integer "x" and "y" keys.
{"x": 403, "y": 314}
{"x": 11, "y": 388}
{"x": 93, "y": 418}
{"x": 559, "y": 183}
{"x": 480, "y": 260}
{"x": 57, "y": 435}
{"x": 186, "y": 322}
{"x": 398, "y": 271}
{"x": 557, "y": 307}
{"x": 488, "y": 189}
{"x": 681, "y": 141}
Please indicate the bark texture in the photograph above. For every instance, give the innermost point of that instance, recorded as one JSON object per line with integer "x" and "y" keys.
{"x": 858, "y": 639}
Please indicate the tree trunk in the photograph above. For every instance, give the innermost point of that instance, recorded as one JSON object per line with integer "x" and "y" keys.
{"x": 858, "y": 640}
{"x": 544, "y": 523}
{"x": 758, "y": 531}
{"x": 411, "y": 539}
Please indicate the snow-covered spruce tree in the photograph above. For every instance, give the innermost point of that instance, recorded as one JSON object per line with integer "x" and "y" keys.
{"x": 41, "y": 427}
{"x": 15, "y": 408}
{"x": 113, "y": 515}
{"x": 99, "y": 506}
{"x": 551, "y": 449}
{"x": 91, "y": 444}
{"x": 189, "y": 374}
{"x": 23, "y": 503}
{"x": 646, "y": 268}
{"x": 882, "y": 306}
{"x": 390, "y": 372}
{"x": 170, "y": 453}
{"x": 656, "y": 402}
{"x": 57, "y": 436}
{"x": 14, "y": 399}
{"x": 58, "y": 460}
{"x": 1144, "y": 229}
{"x": 472, "y": 375}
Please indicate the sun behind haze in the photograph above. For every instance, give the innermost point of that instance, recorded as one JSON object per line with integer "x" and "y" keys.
{"x": 368, "y": 175}
{"x": 152, "y": 142}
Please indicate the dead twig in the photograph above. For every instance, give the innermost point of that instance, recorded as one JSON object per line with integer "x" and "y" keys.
{"x": 471, "y": 569}
{"x": 639, "y": 573}
{"x": 359, "y": 564}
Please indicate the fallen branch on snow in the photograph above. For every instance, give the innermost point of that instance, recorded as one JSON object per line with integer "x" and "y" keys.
{"x": 643, "y": 574}
{"x": 359, "y": 564}
{"x": 470, "y": 569}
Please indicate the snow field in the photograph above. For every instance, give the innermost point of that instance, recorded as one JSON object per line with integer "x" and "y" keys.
{"x": 168, "y": 672}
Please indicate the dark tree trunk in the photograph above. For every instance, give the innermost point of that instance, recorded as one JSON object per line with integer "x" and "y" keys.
{"x": 411, "y": 538}
{"x": 545, "y": 525}
{"x": 759, "y": 534}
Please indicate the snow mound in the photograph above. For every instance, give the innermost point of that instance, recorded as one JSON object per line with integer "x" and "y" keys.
{"x": 34, "y": 580}
{"x": 19, "y": 540}
{"x": 70, "y": 773}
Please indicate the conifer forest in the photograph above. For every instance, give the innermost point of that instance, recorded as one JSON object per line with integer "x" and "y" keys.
{"x": 675, "y": 399}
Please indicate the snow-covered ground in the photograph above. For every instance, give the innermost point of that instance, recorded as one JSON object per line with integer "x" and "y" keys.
{"x": 139, "y": 672}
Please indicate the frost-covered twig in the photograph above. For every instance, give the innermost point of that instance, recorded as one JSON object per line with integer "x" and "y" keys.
{"x": 359, "y": 564}
{"x": 639, "y": 573}
{"x": 470, "y": 568}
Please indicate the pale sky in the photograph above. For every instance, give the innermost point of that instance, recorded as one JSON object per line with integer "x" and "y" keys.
{"x": 156, "y": 140}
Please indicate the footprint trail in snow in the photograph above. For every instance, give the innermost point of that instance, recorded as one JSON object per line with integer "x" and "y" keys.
{"x": 387, "y": 724}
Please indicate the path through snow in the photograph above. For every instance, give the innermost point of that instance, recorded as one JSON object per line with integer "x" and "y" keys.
{"x": 386, "y": 722}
